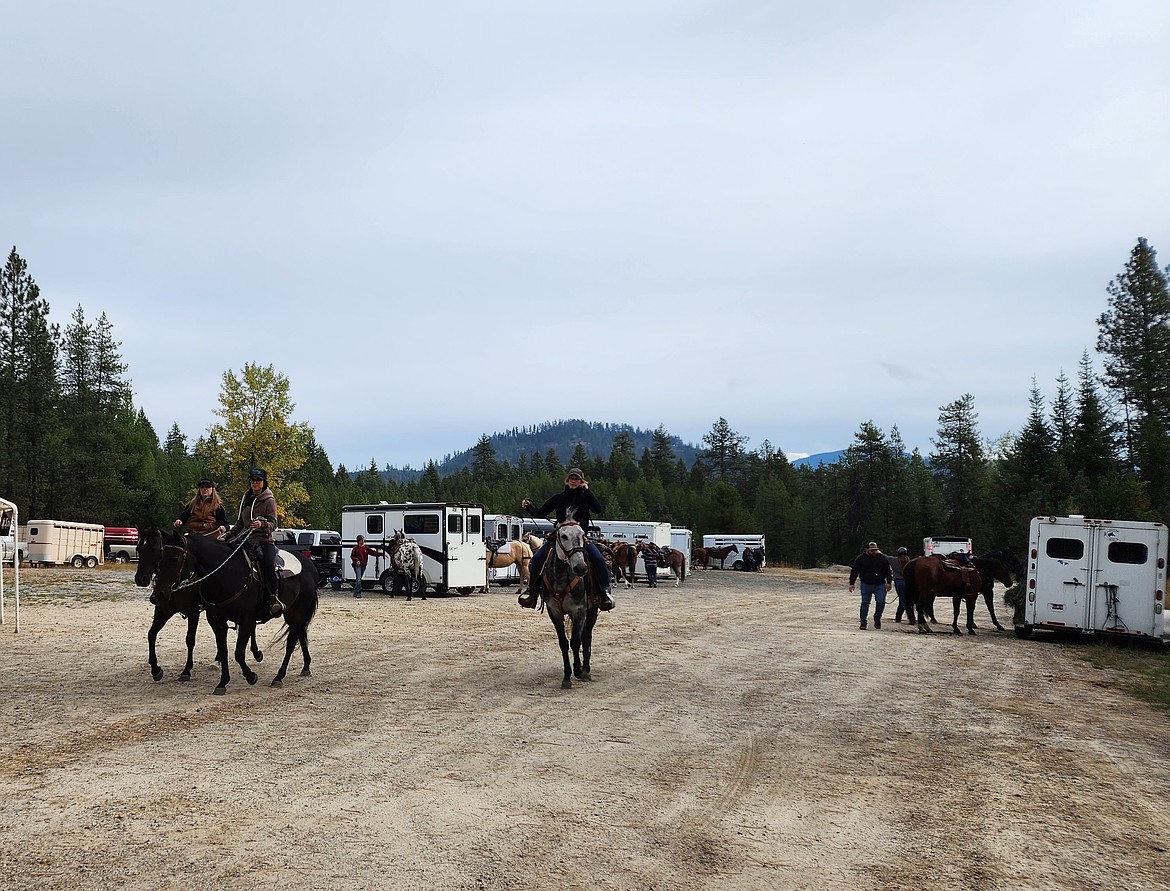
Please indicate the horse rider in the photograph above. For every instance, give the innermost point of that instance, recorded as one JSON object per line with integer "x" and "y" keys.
{"x": 203, "y": 514}
{"x": 258, "y": 518}
{"x": 576, "y": 498}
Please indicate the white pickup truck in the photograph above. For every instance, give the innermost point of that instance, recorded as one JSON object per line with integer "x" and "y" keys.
{"x": 946, "y": 544}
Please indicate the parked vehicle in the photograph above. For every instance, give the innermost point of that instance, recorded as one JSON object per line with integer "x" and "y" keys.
{"x": 634, "y": 531}
{"x": 946, "y": 544}
{"x": 8, "y": 528}
{"x": 321, "y": 547}
{"x": 121, "y": 544}
{"x": 1096, "y": 576}
{"x": 450, "y": 535}
{"x": 57, "y": 542}
{"x": 682, "y": 540}
{"x": 735, "y": 560}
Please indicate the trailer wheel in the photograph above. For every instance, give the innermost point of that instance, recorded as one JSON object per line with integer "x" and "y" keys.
{"x": 78, "y": 561}
{"x": 465, "y": 591}
{"x": 91, "y": 561}
{"x": 737, "y": 565}
{"x": 387, "y": 581}
{"x": 1023, "y": 631}
{"x": 439, "y": 589}
{"x": 120, "y": 557}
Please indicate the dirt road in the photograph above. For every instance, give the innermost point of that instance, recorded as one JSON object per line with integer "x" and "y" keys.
{"x": 739, "y": 732}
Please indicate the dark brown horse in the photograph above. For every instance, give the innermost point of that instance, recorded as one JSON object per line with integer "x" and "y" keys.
{"x": 931, "y": 577}
{"x": 672, "y": 559}
{"x": 699, "y": 557}
{"x": 625, "y": 559}
{"x": 167, "y": 603}
{"x": 1002, "y": 566}
{"x": 720, "y": 554}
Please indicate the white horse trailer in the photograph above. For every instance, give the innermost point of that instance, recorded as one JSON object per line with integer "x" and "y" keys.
{"x": 503, "y": 527}
{"x": 450, "y": 535}
{"x": 682, "y": 540}
{"x": 56, "y": 542}
{"x": 1096, "y": 576}
{"x": 10, "y": 523}
{"x": 736, "y": 558}
{"x": 634, "y": 531}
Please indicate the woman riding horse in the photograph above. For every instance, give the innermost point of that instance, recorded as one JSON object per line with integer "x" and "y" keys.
{"x": 574, "y": 503}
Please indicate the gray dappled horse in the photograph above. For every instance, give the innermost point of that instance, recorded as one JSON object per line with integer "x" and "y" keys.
{"x": 570, "y": 592}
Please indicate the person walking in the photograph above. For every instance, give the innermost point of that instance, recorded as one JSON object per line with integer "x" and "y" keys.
{"x": 650, "y": 561}
{"x": 873, "y": 569}
{"x": 358, "y": 558}
{"x": 897, "y": 563}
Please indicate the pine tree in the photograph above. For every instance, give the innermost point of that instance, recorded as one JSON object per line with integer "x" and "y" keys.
{"x": 958, "y": 465}
{"x": 724, "y": 453}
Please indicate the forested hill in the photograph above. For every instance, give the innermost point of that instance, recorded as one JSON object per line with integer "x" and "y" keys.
{"x": 562, "y": 436}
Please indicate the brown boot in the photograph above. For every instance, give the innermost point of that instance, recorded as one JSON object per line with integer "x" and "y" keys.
{"x": 528, "y": 598}
{"x": 275, "y": 607}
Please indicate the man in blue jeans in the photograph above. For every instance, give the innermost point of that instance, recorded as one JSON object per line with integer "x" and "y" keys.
{"x": 873, "y": 569}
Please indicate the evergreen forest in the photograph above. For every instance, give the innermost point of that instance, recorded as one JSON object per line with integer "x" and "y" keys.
{"x": 74, "y": 446}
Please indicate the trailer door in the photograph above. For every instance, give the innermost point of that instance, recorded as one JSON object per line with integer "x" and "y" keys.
{"x": 466, "y": 554}
{"x": 1125, "y": 578}
{"x": 1063, "y": 576}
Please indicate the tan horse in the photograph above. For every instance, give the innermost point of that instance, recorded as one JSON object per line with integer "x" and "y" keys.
{"x": 512, "y": 553}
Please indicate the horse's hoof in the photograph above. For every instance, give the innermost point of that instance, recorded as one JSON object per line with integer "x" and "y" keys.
{"x": 586, "y": 677}
{"x": 185, "y": 676}
{"x": 276, "y": 682}
{"x": 156, "y": 673}
{"x": 567, "y": 684}
{"x": 305, "y": 673}
{"x": 253, "y": 679}
{"x": 971, "y": 632}
{"x": 956, "y": 631}
{"x": 219, "y": 691}
{"x": 258, "y": 657}
{"x": 1000, "y": 628}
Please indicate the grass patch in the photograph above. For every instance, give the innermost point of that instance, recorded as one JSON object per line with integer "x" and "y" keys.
{"x": 1144, "y": 672}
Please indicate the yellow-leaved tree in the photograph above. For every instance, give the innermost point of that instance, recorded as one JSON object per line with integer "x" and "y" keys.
{"x": 256, "y": 431}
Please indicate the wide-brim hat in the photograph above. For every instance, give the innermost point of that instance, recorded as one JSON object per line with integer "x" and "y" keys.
{"x": 575, "y": 471}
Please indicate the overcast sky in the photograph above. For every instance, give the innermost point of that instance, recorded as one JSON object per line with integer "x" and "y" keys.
{"x": 447, "y": 219}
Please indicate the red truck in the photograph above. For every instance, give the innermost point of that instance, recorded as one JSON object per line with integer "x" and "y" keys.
{"x": 121, "y": 544}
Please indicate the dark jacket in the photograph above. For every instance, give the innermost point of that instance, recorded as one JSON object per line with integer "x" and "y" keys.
{"x": 204, "y": 515}
{"x": 581, "y": 501}
{"x": 872, "y": 569}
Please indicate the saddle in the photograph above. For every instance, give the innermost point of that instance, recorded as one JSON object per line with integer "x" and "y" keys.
{"x": 494, "y": 544}
{"x": 288, "y": 564}
{"x": 954, "y": 564}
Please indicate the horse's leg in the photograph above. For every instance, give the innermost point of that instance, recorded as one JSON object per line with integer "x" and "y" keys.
{"x": 578, "y": 633}
{"x": 971, "y": 612}
{"x": 290, "y": 644}
{"x": 192, "y": 627}
{"x": 304, "y": 638}
{"x": 256, "y": 653}
{"x": 587, "y": 643}
{"x": 559, "y": 624}
{"x": 243, "y": 635}
{"x": 958, "y": 599}
{"x": 161, "y": 617}
{"x": 989, "y": 599}
{"x": 220, "y": 629}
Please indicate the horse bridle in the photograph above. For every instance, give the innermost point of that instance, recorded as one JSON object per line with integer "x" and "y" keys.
{"x": 181, "y": 585}
{"x": 560, "y": 554}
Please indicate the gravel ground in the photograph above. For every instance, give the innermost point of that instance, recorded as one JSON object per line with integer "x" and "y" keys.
{"x": 739, "y": 732}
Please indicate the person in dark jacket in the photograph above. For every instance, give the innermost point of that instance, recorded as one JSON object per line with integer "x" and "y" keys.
{"x": 873, "y": 569}
{"x": 575, "y": 500}
{"x": 257, "y": 519}
{"x": 897, "y": 563}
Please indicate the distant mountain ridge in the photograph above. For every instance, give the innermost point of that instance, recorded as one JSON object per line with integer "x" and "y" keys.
{"x": 563, "y": 436}
{"x": 818, "y": 459}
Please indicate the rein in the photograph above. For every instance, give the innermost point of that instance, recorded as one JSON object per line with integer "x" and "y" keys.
{"x": 560, "y": 555}
{"x": 198, "y": 580}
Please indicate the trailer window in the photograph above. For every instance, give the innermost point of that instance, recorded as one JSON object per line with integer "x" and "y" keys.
{"x": 374, "y": 524}
{"x": 420, "y": 524}
{"x": 455, "y": 525}
{"x": 1128, "y": 552}
{"x": 473, "y": 524}
{"x": 1064, "y": 548}
{"x": 501, "y": 529}
{"x": 515, "y": 532}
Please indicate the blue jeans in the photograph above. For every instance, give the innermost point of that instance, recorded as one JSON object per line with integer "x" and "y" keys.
{"x": 591, "y": 550}
{"x": 904, "y": 604}
{"x": 358, "y": 572}
{"x": 652, "y": 576}
{"x": 878, "y": 592}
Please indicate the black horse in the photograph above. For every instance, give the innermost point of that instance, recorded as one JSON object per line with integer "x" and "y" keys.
{"x": 231, "y": 592}
{"x": 571, "y": 594}
{"x": 185, "y": 601}
{"x": 1000, "y": 566}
